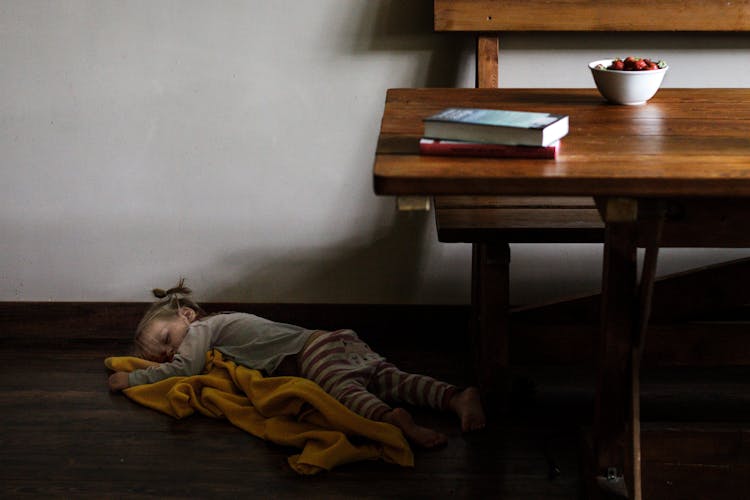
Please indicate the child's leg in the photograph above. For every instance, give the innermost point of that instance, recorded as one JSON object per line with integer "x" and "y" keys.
{"x": 351, "y": 392}
{"x": 343, "y": 365}
{"x": 346, "y": 368}
{"x": 335, "y": 362}
{"x": 392, "y": 384}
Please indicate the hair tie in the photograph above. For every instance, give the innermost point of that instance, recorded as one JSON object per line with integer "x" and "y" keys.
{"x": 175, "y": 291}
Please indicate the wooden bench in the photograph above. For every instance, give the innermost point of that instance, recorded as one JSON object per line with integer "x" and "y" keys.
{"x": 490, "y": 224}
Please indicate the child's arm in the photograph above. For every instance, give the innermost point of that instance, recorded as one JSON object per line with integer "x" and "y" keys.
{"x": 118, "y": 381}
{"x": 189, "y": 360}
{"x": 180, "y": 366}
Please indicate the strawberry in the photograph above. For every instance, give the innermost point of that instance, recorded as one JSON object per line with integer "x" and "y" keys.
{"x": 631, "y": 63}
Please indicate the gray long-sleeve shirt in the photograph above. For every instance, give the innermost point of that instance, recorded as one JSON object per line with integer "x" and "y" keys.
{"x": 247, "y": 339}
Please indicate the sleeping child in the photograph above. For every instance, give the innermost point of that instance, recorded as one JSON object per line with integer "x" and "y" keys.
{"x": 176, "y": 333}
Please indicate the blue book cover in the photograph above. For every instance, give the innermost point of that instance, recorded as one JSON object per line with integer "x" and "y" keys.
{"x": 497, "y": 126}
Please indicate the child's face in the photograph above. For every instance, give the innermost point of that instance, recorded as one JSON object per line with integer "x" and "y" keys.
{"x": 162, "y": 337}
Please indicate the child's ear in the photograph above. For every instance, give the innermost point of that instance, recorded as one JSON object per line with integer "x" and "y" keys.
{"x": 188, "y": 314}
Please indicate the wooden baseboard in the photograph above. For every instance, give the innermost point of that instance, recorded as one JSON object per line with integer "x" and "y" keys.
{"x": 410, "y": 325}
{"x": 565, "y": 341}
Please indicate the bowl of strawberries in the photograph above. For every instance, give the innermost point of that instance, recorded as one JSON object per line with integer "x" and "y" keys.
{"x": 632, "y": 81}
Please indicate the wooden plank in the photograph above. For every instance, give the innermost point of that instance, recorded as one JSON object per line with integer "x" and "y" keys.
{"x": 85, "y": 443}
{"x": 677, "y": 481}
{"x": 412, "y": 174}
{"x": 713, "y": 162}
{"x": 510, "y": 218}
{"x": 697, "y": 147}
{"x": 591, "y": 15}
{"x": 449, "y": 202}
{"x": 730, "y": 145}
{"x": 691, "y": 461}
{"x": 691, "y": 111}
{"x": 710, "y": 223}
{"x": 115, "y": 321}
{"x": 701, "y": 293}
{"x": 487, "y": 61}
{"x": 683, "y": 460}
{"x": 697, "y": 344}
{"x": 527, "y": 225}
{"x": 555, "y": 334}
{"x": 518, "y": 219}
{"x": 696, "y": 443}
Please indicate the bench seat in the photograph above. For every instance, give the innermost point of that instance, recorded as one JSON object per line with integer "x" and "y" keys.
{"x": 517, "y": 219}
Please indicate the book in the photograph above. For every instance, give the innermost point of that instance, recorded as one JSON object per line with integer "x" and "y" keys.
{"x": 440, "y": 147}
{"x": 496, "y": 126}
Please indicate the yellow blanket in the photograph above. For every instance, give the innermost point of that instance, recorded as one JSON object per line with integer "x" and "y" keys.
{"x": 290, "y": 411}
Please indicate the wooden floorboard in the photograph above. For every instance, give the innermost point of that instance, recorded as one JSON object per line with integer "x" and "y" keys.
{"x": 64, "y": 435}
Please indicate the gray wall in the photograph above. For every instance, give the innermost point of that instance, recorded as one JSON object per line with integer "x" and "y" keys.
{"x": 231, "y": 142}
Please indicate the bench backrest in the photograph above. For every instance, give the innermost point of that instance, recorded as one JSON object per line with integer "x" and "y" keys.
{"x": 487, "y": 18}
{"x": 592, "y": 15}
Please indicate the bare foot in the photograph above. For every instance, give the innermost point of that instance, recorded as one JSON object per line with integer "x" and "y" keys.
{"x": 468, "y": 406}
{"x": 421, "y": 436}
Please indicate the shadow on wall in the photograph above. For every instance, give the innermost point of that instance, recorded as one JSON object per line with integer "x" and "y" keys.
{"x": 395, "y": 25}
{"x": 355, "y": 270}
{"x": 360, "y": 270}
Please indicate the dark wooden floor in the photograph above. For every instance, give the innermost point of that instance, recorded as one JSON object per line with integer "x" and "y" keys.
{"x": 64, "y": 435}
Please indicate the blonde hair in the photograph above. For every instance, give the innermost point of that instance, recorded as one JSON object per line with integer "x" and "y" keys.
{"x": 166, "y": 307}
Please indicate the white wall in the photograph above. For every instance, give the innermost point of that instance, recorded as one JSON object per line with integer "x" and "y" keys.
{"x": 231, "y": 142}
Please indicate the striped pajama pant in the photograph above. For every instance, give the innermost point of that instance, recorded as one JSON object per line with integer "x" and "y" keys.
{"x": 347, "y": 369}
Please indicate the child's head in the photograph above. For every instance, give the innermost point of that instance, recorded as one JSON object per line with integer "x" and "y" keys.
{"x": 164, "y": 326}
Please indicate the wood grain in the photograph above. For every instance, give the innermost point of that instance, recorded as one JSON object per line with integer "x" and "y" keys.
{"x": 591, "y": 15}
{"x": 675, "y": 145}
{"x": 66, "y": 436}
{"x": 487, "y": 61}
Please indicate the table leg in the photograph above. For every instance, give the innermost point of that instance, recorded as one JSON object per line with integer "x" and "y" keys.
{"x": 625, "y": 312}
{"x": 613, "y": 453}
{"x": 652, "y": 239}
{"x": 490, "y": 301}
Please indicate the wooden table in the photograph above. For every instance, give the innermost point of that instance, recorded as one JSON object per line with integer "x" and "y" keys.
{"x": 672, "y": 172}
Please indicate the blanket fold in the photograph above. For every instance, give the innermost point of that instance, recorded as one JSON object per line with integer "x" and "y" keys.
{"x": 289, "y": 411}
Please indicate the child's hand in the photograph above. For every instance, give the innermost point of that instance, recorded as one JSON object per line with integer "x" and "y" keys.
{"x": 118, "y": 381}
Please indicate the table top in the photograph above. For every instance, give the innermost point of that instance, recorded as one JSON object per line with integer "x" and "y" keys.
{"x": 683, "y": 142}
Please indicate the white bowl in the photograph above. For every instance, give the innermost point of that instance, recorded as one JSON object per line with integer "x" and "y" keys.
{"x": 626, "y": 87}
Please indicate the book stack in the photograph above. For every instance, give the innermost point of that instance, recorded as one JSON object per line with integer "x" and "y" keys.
{"x": 493, "y": 133}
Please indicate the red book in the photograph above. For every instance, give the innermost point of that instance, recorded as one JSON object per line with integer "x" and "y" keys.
{"x": 439, "y": 147}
